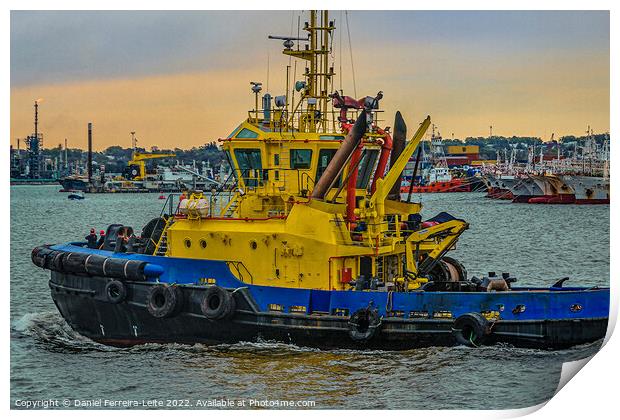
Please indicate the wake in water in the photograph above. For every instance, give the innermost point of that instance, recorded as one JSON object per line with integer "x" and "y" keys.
{"x": 51, "y": 330}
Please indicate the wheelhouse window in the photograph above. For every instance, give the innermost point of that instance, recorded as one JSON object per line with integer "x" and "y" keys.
{"x": 301, "y": 158}
{"x": 325, "y": 156}
{"x": 250, "y": 165}
{"x": 366, "y": 168}
{"x": 246, "y": 134}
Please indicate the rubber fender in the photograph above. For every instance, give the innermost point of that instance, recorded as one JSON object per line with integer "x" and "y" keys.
{"x": 55, "y": 261}
{"x": 164, "y": 301}
{"x": 217, "y": 303}
{"x": 471, "y": 329}
{"x": 125, "y": 269}
{"x": 39, "y": 255}
{"x": 48, "y": 257}
{"x": 74, "y": 262}
{"x": 363, "y": 324}
{"x": 115, "y": 291}
{"x": 94, "y": 265}
{"x": 134, "y": 270}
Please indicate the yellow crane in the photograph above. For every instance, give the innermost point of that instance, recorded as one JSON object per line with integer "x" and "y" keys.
{"x": 137, "y": 166}
{"x": 138, "y": 160}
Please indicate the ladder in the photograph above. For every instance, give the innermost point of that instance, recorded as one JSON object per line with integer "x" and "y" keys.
{"x": 162, "y": 245}
{"x": 232, "y": 206}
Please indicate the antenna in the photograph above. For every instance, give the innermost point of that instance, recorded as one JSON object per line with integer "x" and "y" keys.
{"x": 288, "y": 40}
{"x": 134, "y": 141}
{"x": 318, "y": 72}
{"x": 256, "y": 88}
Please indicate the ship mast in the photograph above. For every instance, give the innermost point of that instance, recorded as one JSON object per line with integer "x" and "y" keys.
{"x": 318, "y": 72}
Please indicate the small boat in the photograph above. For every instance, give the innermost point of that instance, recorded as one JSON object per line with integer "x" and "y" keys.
{"x": 437, "y": 178}
{"x": 308, "y": 246}
{"x": 162, "y": 197}
{"x": 76, "y": 195}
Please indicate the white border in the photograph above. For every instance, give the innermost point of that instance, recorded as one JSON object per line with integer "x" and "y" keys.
{"x": 591, "y": 395}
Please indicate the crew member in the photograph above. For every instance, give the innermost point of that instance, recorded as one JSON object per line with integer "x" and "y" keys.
{"x": 121, "y": 240}
{"x": 91, "y": 238}
{"x": 101, "y": 239}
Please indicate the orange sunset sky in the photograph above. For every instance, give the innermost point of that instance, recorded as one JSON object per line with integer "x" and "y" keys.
{"x": 181, "y": 79}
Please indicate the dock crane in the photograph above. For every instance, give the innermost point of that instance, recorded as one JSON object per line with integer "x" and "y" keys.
{"x": 136, "y": 167}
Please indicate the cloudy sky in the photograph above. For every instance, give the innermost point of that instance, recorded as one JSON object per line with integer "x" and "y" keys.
{"x": 182, "y": 78}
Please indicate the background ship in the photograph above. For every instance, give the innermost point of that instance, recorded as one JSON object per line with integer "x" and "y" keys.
{"x": 581, "y": 179}
{"x": 433, "y": 174}
{"x": 138, "y": 177}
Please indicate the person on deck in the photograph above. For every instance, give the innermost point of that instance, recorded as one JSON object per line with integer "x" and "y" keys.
{"x": 101, "y": 239}
{"x": 121, "y": 240}
{"x": 91, "y": 238}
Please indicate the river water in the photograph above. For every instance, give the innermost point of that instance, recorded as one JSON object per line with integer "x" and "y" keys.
{"x": 537, "y": 243}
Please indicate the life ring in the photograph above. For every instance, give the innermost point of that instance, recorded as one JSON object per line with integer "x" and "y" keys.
{"x": 363, "y": 324}
{"x": 115, "y": 291}
{"x": 217, "y": 303}
{"x": 164, "y": 301}
{"x": 471, "y": 329}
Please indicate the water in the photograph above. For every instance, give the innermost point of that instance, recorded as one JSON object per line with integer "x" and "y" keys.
{"x": 535, "y": 243}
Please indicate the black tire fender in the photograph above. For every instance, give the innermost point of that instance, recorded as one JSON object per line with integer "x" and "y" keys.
{"x": 471, "y": 329}
{"x": 94, "y": 265}
{"x": 55, "y": 260}
{"x": 116, "y": 291}
{"x": 164, "y": 301}
{"x": 217, "y": 303}
{"x": 74, "y": 262}
{"x": 363, "y": 324}
{"x": 40, "y": 256}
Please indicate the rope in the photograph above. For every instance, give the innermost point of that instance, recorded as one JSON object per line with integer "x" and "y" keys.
{"x": 268, "y": 75}
{"x": 471, "y": 339}
{"x": 340, "y": 52}
{"x": 346, "y": 14}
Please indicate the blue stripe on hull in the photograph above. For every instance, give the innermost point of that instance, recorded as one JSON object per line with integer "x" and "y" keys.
{"x": 539, "y": 303}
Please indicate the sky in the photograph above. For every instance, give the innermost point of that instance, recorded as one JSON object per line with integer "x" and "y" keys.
{"x": 181, "y": 79}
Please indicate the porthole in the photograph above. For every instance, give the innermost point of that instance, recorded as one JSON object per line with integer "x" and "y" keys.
{"x": 188, "y": 243}
{"x": 253, "y": 244}
{"x": 203, "y": 243}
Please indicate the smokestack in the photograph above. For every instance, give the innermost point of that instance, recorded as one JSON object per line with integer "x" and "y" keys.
{"x": 36, "y": 119}
{"x": 90, "y": 152}
{"x": 66, "y": 156}
{"x": 398, "y": 145}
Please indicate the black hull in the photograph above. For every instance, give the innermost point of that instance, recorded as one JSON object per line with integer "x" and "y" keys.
{"x": 83, "y": 303}
{"x": 69, "y": 184}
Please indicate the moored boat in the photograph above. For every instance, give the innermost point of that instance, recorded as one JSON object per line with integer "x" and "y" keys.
{"x": 525, "y": 189}
{"x": 588, "y": 189}
{"x": 312, "y": 246}
{"x": 555, "y": 190}
{"x": 498, "y": 186}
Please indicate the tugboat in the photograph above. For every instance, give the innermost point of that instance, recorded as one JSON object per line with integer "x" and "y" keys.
{"x": 314, "y": 246}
